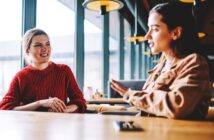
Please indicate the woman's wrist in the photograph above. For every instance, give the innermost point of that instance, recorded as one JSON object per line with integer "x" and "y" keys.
{"x": 71, "y": 108}
{"x": 28, "y": 107}
{"x": 40, "y": 103}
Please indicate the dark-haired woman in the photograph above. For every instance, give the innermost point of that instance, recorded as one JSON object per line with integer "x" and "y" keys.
{"x": 179, "y": 86}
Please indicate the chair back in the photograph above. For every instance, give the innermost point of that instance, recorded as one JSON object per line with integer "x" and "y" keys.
{"x": 133, "y": 84}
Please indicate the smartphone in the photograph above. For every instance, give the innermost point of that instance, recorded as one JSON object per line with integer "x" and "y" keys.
{"x": 127, "y": 126}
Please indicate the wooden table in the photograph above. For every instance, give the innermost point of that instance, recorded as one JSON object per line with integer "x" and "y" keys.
{"x": 16, "y": 125}
{"x": 106, "y": 101}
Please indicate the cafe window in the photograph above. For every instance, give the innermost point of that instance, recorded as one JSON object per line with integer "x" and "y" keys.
{"x": 127, "y": 49}
{"x": 114, "y": 45}
{"x": 93, "y": 50}
{"x": 58, "y": 21}
{"x": 10, "y": 38}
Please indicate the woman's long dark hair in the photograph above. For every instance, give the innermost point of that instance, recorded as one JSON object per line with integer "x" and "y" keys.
{"x": 175, "y": 14}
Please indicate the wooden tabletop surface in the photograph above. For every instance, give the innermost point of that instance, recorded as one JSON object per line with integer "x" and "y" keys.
{"x": 106, "y": 101}
{"x": 20, "y": 125}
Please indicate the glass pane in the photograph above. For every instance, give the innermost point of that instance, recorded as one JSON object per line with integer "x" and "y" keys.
{"x": 93, "y": 50}
{"x": 114, "y": 45}
{"x": 58, "y": 21}
{"x": 114, "y": 58}
{"x": 10, "y": 37}
{"x": 127, "y": 50}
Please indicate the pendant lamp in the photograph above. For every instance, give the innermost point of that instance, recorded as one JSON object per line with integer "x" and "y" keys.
{"x": 136, "y": 38}
{"x": 195, "y": 11}
{"x": 103, "y": 5}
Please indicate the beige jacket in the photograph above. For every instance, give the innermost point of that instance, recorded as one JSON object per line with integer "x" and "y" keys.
{"x": 183, "y": 92}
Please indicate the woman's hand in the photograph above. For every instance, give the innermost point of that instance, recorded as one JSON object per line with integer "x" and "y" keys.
{"x": 118, "y": 87}
{"x": 71, "y": 108}
{"x": 54, "y": 104}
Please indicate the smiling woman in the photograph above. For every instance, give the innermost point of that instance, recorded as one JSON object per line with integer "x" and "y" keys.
{"x": 37, "y": 50}
{"x": 43, "y": 85}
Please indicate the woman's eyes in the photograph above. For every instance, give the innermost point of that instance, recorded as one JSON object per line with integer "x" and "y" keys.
{"x": 40, "y": 45}
{"x": 154, "y": 29}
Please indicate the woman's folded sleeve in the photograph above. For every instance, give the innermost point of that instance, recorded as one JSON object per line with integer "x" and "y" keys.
{"x": 75, "y": 94}
{"x": 11, "y": 98}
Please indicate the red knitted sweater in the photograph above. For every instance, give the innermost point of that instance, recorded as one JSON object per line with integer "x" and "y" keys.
{"x": 30, "y": 85}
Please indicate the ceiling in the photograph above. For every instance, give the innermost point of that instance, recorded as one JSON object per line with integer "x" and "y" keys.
{"x": 205, "y": 21}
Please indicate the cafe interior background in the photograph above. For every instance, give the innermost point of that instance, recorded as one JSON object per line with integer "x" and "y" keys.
{"x": 97, "y": 43}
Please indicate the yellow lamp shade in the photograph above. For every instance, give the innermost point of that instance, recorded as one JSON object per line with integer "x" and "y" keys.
{"x": 187, "y": 1}
{"x": 156, "y": 61}
{"x": 109, "y": 5}
{"x": 201, "y": 34}
{"x": 136, "y": 38}
{"x": 150, "y": 53}
{"x": 190, "y": 1}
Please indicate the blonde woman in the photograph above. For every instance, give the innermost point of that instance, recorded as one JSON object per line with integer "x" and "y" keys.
{"x": 43, "y": 85}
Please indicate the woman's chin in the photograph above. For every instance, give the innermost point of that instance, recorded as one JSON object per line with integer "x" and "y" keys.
{"x": 154, "y": 51}
{"x": 44, "y": 61}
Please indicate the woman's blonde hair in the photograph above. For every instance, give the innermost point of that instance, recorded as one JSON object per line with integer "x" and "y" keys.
{"x": 27, "y": 39}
